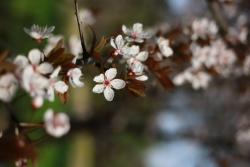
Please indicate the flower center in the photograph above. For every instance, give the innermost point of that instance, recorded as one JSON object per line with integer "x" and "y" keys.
{"x": 134, "y": 35}
{"x": 106, "y": 83}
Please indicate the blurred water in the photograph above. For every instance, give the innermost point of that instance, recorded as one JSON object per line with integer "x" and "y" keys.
{"x": 179, "y": 153}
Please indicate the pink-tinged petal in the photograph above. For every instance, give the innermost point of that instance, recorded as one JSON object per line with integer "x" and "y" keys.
{"x": 142, "y": 78}
{"x": 45, "y": 68}
{"x": 61, "y": 87}
{"x": 111, "y": 73}
{"x": 37, "y": 102}
{"x": 109, "y": 94}
{"x": 119, "y": 41}
{"x": 35, "y": 56}
{"x": 99, "y": 78}
{"x": 56, "y": 124}
{"x": 99, "y": 88}
{"x": 142, "y": 56}
{"x": 118, "y": 84}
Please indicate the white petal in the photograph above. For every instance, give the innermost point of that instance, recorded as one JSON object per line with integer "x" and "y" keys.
{"x": 21, "y": 61}
{"x": 109, "y": 94}
{"x": 124, "y": 29}
{"x": 99, "y": 78}
{"x": 55, "y": 72}
{"x": 118, "y": 83}
{"x": 134, "y": 50}
{"x": 45, "y": 68}
{"x": 111, "y": 73}
{"x": 35, "y": 56}
{"x": 51, "y": 94}
{"x": 137, "y": 27}
{"x": 142, "y": 56}
{"x": 119, "y": 41}
{"x": 99, "y": 88}
{"x": 142, "y": 78}
{"x": 112, "y": 43}
{"x": 61, "y": 87}
{"x": 77, "y": 82}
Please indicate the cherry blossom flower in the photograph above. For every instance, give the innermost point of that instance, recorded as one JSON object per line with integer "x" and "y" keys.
{"x": 136, "y": 34}
{"x": 122, "y": 48}
{"x": 56, "y": 124}
{"x": 39, "y": 33}
{"x": 35, "y": 57}
{"x": 165, "y": 49}
{"x": 107, "y": 82}
{"x": 198, "y": 79}
{"x": 203, "y": 28}
{"x": 56, "y": 85}
{"x": 74, "y": 75}
{"x": 8, "y": 87}
{"x": 135, "y": 63}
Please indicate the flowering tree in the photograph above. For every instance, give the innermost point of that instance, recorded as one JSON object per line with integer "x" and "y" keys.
{"x": 195, "y": 54}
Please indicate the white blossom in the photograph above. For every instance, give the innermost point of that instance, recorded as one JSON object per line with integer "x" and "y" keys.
{"x": 198, "y": 79}
{"x": 56, "y": 85}
{"x": 22, "y": 162}
{"x": 107, "y": 82}
{"x": 8, "y": 87}
{"x": 39, "y": 33}
{"x": 121, "y": 48}
{"x": 136, "y": 34}
{"x": 203, "y": 28}
{"x": 165, "y": 49}
{"x": 75, "y": 75}
{"x": 56, "y": 124}
{"x": 135, "y": 62}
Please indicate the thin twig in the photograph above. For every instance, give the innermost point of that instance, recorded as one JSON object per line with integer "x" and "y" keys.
{"x": 85, "y": 52}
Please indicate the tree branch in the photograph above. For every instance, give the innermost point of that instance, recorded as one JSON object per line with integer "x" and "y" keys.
{"x": 85, "y": 52}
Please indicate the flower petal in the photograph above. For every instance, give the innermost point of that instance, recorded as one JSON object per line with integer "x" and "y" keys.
{"x": 61, "y": 87}
{"x": 99, "y": 88}
{"x": 142, "y": 56}
{"x": 109, "y": 94}
{"x": 142, "y": 78}
{"x": 21, "y": 61}
{"x": 111, "y": 73}
{"x": 45, "y": 68}
{"x": 118, "y": 84}
{"x": 55, "y": 72}
{"x": 99, "y": 78}
{"x": 137, "y": 27}
{"x": 119, "y": 41}
{"x": 35, "y": 56}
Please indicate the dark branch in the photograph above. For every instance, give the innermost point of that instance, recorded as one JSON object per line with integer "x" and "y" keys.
{"x": 84, "y": 50}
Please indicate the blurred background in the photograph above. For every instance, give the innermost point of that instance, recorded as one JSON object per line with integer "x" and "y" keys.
{"x": 177, "y": 128}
